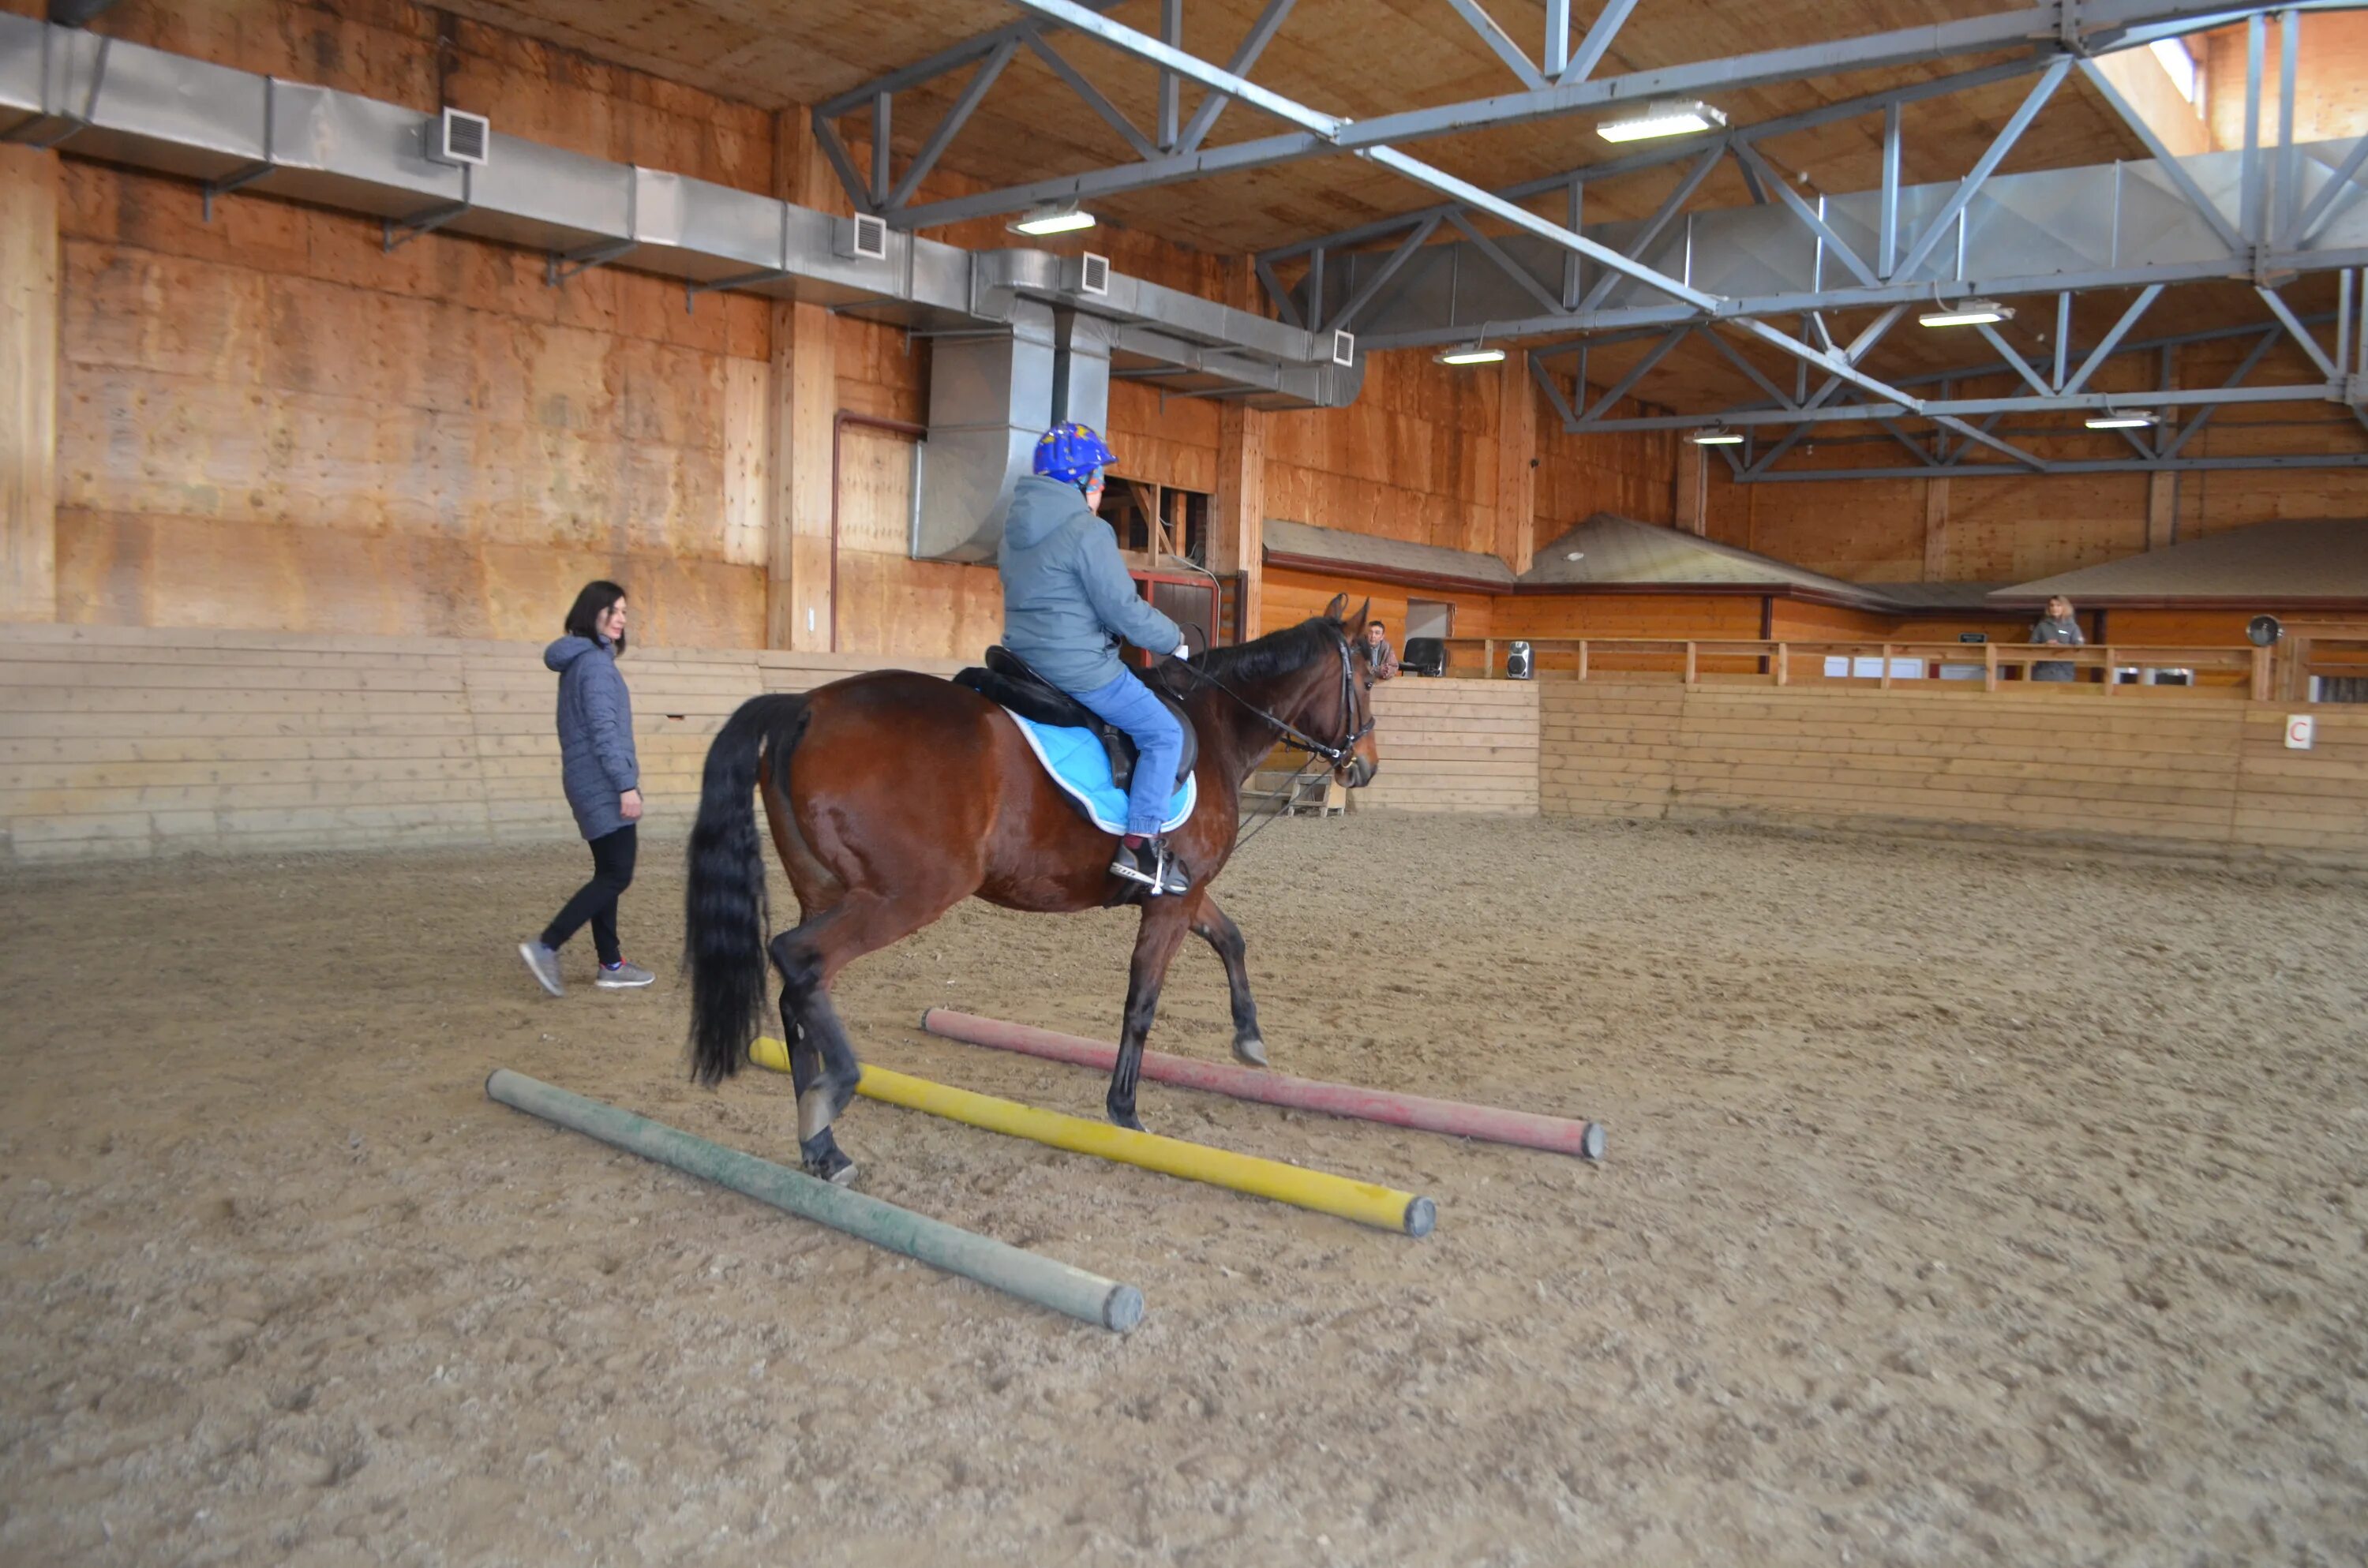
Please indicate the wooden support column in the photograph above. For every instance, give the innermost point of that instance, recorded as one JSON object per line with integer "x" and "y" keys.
{"x": 798, "y": 555}
{"x": 1516, "y": 460}
{"x": 1936, "y": 529}
{"x": 2162, "y": 510}
{"x": 1690, "y": 513}
{"x": 29, "y": 384}
{"x": 1238, "y": 513}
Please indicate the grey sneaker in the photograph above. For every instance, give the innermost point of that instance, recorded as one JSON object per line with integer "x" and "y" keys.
{"x": 624, "y": 977}
{"x": 544, "y": 965}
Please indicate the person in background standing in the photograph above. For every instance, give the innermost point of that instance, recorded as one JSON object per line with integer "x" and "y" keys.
{"x": 1378, "y": 655}
{"x": 602, "y": 779}
{"x": 2058, "y": 626}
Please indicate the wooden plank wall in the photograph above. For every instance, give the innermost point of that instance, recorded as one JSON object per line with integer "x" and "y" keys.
{"x": 2171, "y": 773}
{"x": 124, "y": 741}
{"x": 1293, "y": 596}
{"x": 1455, "y": 746}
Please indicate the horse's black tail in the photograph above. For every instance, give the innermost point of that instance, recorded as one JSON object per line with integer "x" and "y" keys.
{"x": 723, "y": 907}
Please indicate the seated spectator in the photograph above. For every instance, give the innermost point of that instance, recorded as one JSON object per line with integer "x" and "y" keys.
{"x": 1378, "y": 652}
{"x": 2058, "y": 626}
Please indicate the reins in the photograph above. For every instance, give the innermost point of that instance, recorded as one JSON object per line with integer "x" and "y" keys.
{"x": 1294, "y": 737}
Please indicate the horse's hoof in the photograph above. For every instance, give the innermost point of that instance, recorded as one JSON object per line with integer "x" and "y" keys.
{"x": 834, "y": 1167}
{"x": 1128, "y": 1120}
{"x": 825, "y": 1161}
{"x": 820, "y": 1105}
{"x": 1251, "y": 1050}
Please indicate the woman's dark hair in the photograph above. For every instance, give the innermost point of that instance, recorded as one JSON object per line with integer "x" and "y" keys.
{"x": 594, "y": 601}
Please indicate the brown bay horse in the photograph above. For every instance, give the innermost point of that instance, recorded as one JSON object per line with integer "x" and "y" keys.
{"x": 891, "y": 797}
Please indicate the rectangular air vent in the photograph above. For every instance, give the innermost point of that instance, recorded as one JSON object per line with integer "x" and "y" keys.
{"x": 1344, "y": 348}
{"x": 863, "y": 237}
{"x": 459, "y": 137}
{"x": 1093, "y": 274}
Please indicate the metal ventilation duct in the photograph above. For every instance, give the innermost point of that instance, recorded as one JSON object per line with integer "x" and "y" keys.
{"x": 233, "y": 131}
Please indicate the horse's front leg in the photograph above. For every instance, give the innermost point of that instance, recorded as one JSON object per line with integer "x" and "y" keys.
{"x": 1217, "y": 928}
{"x": 1164, "y": 920}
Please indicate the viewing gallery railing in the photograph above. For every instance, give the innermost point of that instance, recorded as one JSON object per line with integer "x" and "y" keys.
{"x": 2101, "y": 670}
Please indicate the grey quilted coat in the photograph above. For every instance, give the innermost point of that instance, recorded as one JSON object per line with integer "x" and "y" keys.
{"x": 596, "y": 732}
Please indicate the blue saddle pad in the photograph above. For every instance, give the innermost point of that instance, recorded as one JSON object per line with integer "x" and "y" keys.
{"x": 1079, "y": 765}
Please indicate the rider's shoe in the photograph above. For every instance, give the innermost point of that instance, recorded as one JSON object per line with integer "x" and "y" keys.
{"x": 1152, "y": 866}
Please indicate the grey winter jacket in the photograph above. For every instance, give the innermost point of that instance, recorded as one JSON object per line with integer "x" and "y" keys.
{"x": 595, "y": 734}
{"x": 1065, "y": 592}
{"x": 2047, "y": 629}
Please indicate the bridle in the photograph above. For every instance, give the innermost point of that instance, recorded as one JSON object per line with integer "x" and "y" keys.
{"x": 1292, "y": 735}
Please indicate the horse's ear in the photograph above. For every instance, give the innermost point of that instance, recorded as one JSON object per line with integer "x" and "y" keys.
{"x": 1364, "y": 614}
{"x": 1340, "y": 603}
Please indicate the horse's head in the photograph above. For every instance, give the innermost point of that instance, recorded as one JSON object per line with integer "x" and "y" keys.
{"x": 1351, "y": 704}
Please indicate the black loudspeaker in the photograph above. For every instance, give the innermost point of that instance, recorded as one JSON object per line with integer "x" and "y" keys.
{"x": 1424, "y": 656}
{"x": 1520, "y": 663}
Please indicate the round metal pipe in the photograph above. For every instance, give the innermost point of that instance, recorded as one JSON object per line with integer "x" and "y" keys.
{"x": 1087, "y": 1297}
{"x": 1553, "y": 1133}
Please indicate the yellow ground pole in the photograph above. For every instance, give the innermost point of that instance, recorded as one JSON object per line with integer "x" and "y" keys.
{"x": 1362, "y": 1202}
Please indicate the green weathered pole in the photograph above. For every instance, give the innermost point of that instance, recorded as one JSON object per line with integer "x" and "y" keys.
{"x": 1088, "y": 1297}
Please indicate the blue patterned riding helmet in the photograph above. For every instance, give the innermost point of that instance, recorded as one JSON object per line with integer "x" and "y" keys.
{"x": 1071, "y": 452}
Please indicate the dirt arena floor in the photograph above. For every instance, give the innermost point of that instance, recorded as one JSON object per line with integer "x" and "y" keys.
{"x": 1963, "y": 1206}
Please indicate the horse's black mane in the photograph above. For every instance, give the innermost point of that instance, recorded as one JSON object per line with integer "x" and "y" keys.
{"x": 1276, "y": 654}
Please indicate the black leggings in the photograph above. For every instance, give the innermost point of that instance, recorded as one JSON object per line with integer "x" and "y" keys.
{"x": 596, "y": 901}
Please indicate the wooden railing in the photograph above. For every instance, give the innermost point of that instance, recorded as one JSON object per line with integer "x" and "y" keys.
{"x": 2222, "y": 672}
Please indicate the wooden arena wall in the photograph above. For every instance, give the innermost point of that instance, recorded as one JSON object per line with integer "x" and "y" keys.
{"x": 2162, "y": 772}
{"x": 134, "y": 741}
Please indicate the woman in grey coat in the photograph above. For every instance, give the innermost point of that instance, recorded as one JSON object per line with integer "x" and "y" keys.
{"x": 602, "y": 780}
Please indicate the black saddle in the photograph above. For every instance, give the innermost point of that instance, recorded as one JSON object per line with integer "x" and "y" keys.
{"x": 1008, "y": 681}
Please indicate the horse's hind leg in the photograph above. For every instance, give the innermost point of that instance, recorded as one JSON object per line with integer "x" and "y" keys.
{"x": 1216, "y": 927}
{"x": 862, "y": 922}
{"x": 822, "y": 1155}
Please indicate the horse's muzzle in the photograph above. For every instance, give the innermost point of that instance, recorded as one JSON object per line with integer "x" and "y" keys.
{"x": 1359, "y": 772}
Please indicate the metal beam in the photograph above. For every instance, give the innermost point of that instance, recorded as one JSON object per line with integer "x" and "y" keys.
{"x": 1811, "y": 219}
{"x": 2003, "y": 144}
{"x": 1171, "y": 90}
{"x": 2164, "y": 158}
{"x": 957, "y": 114}
{"x": 1637, "y": 372}
{"x": 2015, "y": 361}
{"x": 1679, "y": 148}
{"x": 1253, "y": 44}
{"x": 2093, "y": 24}
{"x": 1973, "y": 407}
{"x": 930, "y": 67}
{"x": 1650, "y": 234}
{"x": 1515, "y": 57}
{"x": 1388, "y": 269}
{"x": 2062, "y": 466}
{"x": 2235, "y": 379}
{"x": 1556, "y": 57}
{"x": 2097, "y": 355}
{"x": 1094, "y": 98}
{"x": 2300, "y": 334}
{"x": 1591, "y": 49}
{"x": 2335, "y": 195}
{"x": 1505, "y": 264}
{"x": 1168, "y": 58}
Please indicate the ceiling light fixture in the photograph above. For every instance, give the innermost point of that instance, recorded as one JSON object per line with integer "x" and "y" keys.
{"x": 2120, "y": 419}
{"x": 1471, "y": 354}
{"x": 1717, "y": 438}
{"x": 1969, "y": 313}
{"x": 1053, "y": 218}
{"x": 1664, "y": 116}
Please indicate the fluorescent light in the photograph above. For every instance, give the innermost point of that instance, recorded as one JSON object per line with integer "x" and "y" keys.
{"x": 1667, "y": 117}
{"x": 2120, "y": 419}
{"x": 1715, "y": 437}
{"x": 1471, "y": 354}
{"x": 1969, "y": 313}
{"x": 1056, "y": 217}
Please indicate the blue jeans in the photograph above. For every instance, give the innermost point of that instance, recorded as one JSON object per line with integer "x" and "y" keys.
{"x": 1158, "y": 743}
